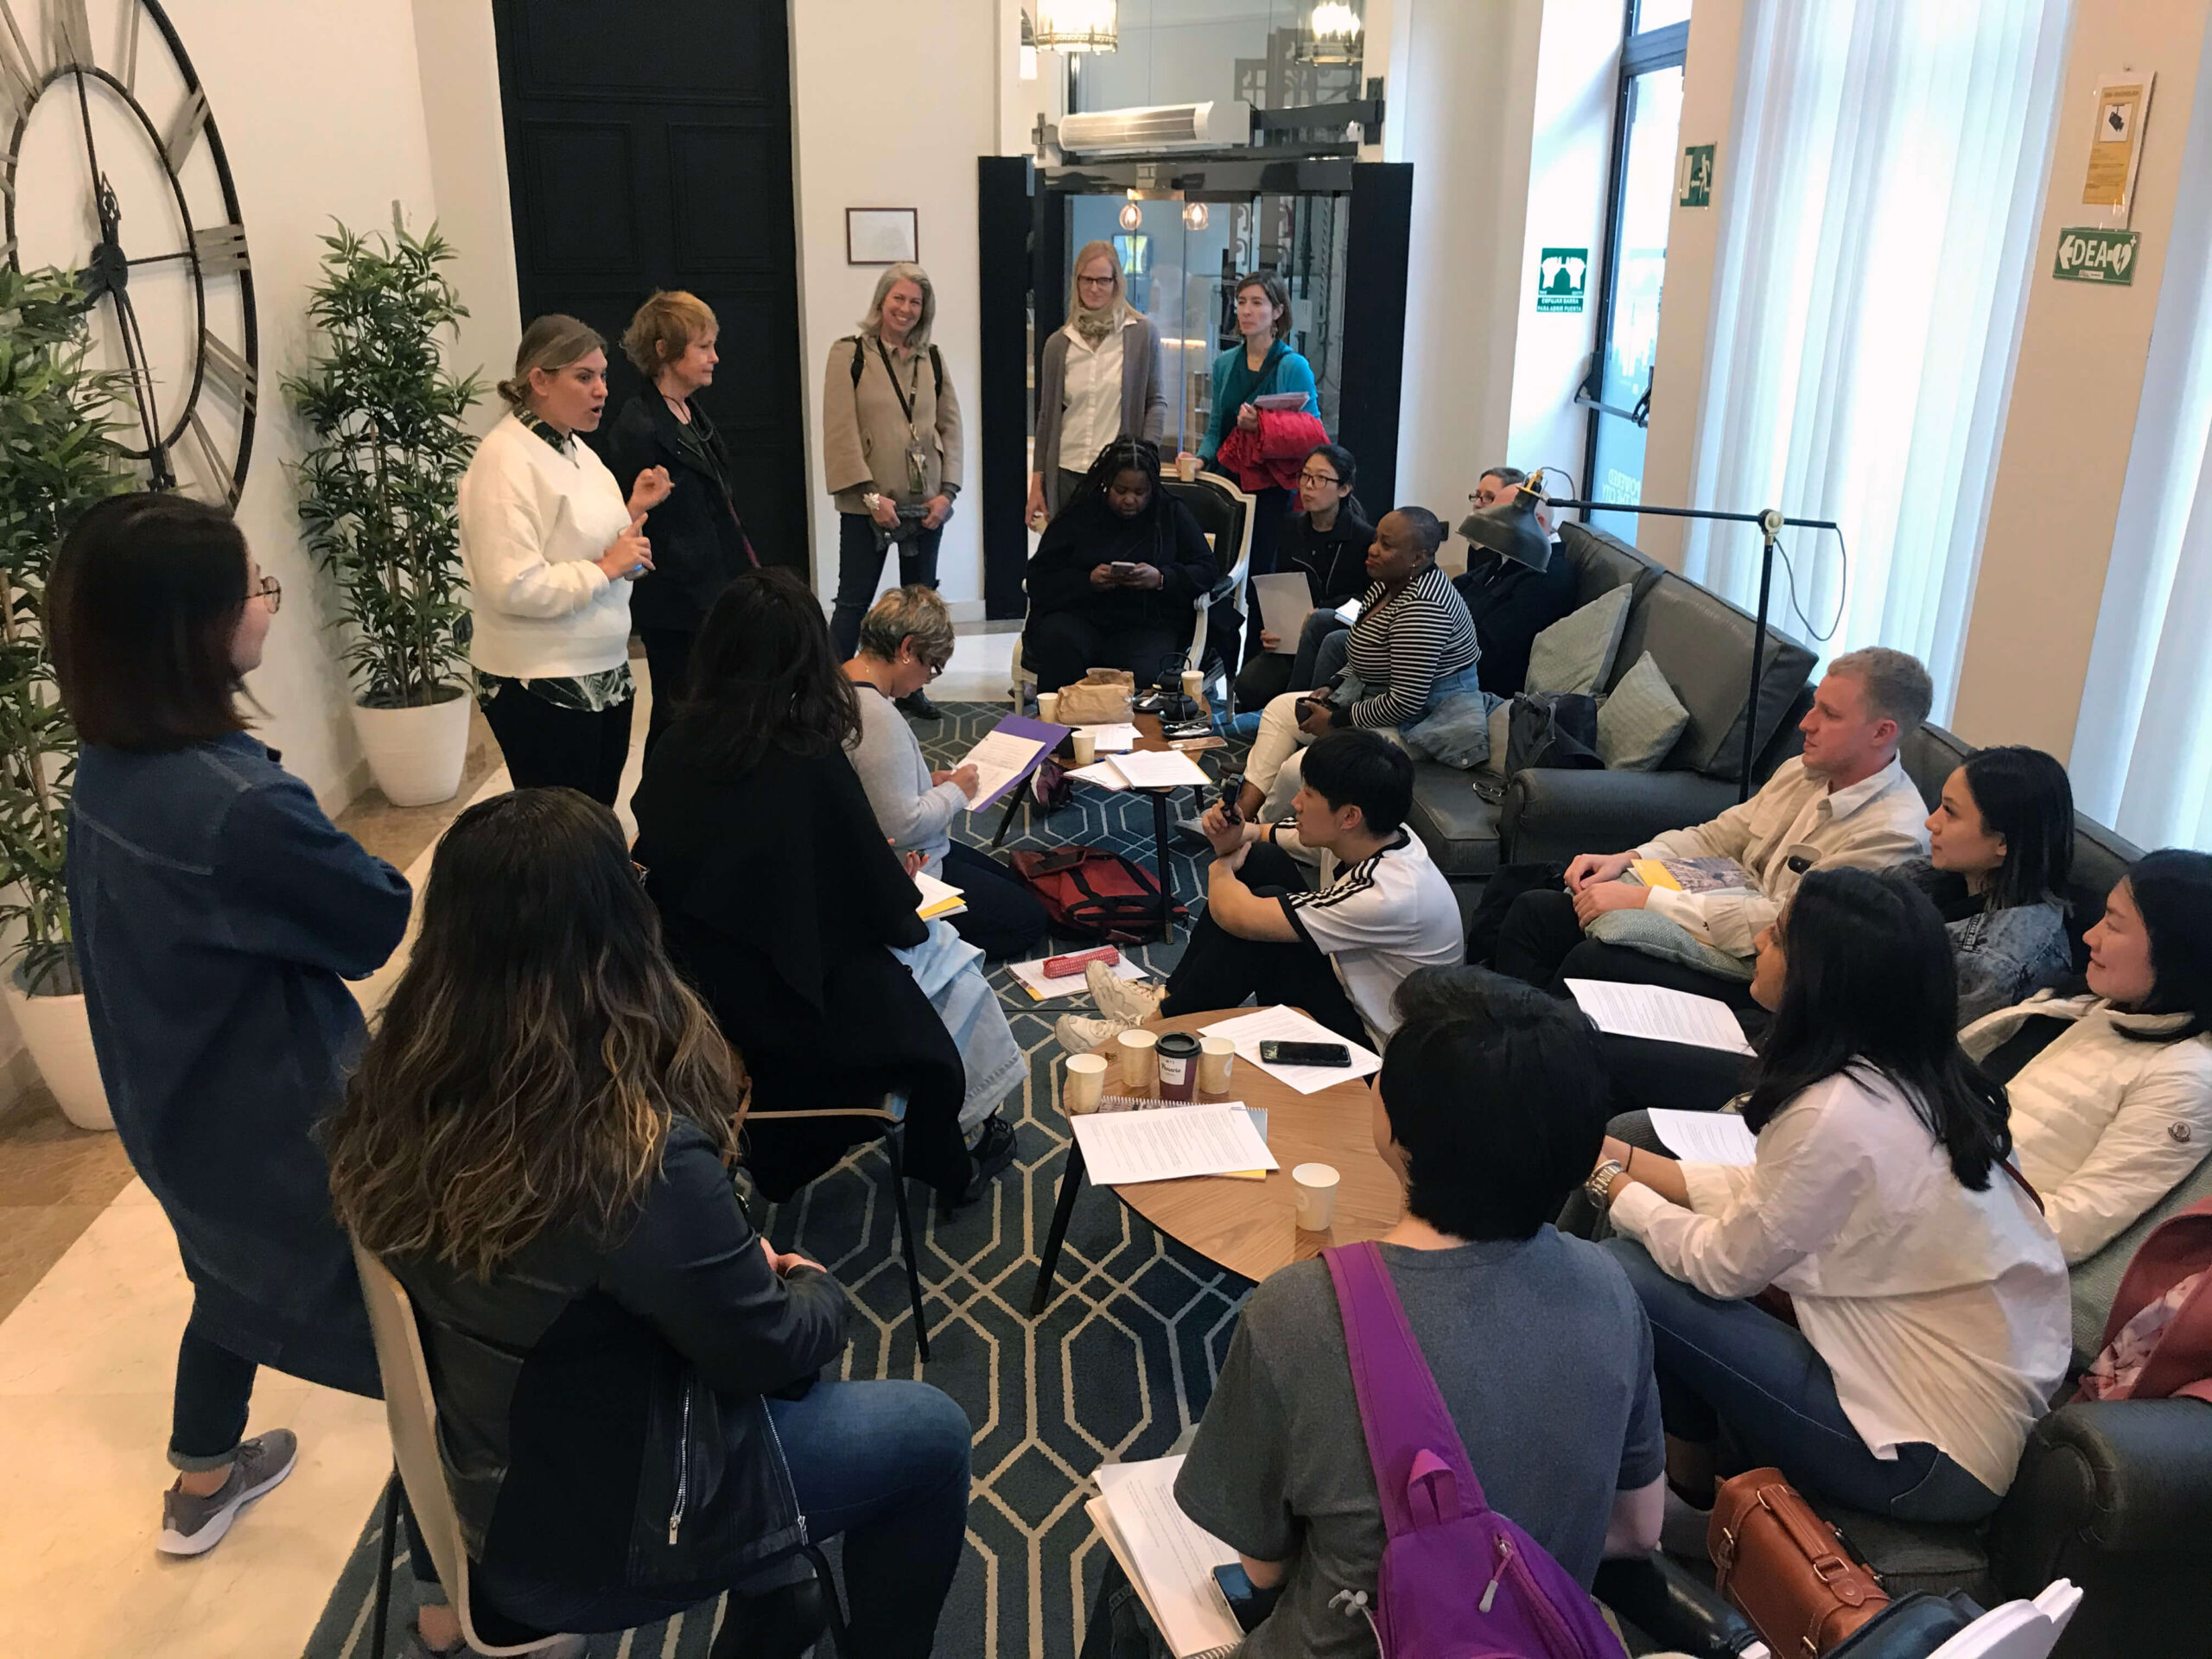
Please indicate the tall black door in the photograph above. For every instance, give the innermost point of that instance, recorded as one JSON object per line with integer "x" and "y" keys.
{"x": 649, "y": 145}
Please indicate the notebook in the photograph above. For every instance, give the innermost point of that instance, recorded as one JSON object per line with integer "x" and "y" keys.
{"x": 938, "y": 898}
{"x": 1691, "y": 875}
{"x": 1168, "y": 1557}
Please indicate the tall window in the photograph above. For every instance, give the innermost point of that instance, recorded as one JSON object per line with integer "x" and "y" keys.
{"x": 1640, "y": 199}
{"x": 1879, "y": 191}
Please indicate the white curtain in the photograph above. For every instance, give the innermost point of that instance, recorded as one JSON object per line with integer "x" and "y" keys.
{"x": 2142, "y": 755}
{"x": 1881, "y": 189}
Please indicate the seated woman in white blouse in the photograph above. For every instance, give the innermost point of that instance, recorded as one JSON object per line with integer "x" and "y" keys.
{"x": 2111, "y": 1092}
{"x": 1930, "y": 1294}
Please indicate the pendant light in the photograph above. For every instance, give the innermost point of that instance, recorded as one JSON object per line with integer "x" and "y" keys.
{"x": 1077, "y": 25}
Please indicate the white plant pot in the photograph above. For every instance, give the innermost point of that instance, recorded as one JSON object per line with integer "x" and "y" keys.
{"x": 59, "y": 1034}
{"x": 417, "y": 754}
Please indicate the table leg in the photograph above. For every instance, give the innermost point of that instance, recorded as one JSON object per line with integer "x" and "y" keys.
{"x": 1165, "y": 870}
{"x": 1070, "y": 1183}
{"x": 1014, "y": 802}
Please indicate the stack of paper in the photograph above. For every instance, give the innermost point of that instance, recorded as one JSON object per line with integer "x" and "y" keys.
{"x": 1113, "y": 739}
{"x": 1031, "y": 977}
{"x": 1101, "y": 773}
{"x": 1286, "y": 600}
{"x": 1666, "y": 1016}
{"x": 1249, "y": 1031}
{"x": 938, "y": 898}
{"x": 1168, "y": 1557}
{"x": 1706, "y": 1137}
{"x": 1171, "y": 1144}
{"x": 1159, "y": 769}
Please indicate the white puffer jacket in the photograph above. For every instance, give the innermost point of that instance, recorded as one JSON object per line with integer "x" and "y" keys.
{"x": 2105, "y": 1124}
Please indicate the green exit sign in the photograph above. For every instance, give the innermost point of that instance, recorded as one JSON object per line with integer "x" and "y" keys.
{"x": 2090, "y": 255}
{"x": 1696, "y": 179}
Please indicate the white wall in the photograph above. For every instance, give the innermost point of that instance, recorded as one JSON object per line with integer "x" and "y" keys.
{"x": 862, "y": 138}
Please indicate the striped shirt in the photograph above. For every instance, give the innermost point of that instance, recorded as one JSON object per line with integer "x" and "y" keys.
{"x": 1400, "y": 647}
{"x": 1376, "y": 921}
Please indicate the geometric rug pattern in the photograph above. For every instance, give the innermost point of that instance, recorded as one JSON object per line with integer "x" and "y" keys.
{"x": 1121, "y": 1364}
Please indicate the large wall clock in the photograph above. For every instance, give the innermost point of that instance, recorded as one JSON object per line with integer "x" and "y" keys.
{"x": 114, "y": 167}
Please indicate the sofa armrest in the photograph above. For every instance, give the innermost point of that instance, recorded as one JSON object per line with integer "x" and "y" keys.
{"x": 1549, "y": 815}
{"x": 2108, "y": 1478}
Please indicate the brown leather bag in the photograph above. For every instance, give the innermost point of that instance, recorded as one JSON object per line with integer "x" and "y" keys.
{"x": 1785, "y": 1569}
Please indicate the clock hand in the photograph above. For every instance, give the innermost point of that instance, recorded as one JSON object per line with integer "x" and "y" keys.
{"x": 141, "y": 381}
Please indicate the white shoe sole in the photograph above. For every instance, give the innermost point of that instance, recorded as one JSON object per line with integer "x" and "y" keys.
{"x": 218, "y": 1527}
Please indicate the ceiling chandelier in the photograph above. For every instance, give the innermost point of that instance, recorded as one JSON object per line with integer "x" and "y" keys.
{"x": 1077, "y": 25}
{"x": 1336, "y": 34}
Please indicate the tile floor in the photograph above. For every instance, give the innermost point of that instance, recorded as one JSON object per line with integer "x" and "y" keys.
{"x": 92, "y": 1299}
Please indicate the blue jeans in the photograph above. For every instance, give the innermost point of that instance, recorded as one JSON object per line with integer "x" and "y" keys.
{"x": 1735, "y": 1363}
{"x": 884, "y": 1465}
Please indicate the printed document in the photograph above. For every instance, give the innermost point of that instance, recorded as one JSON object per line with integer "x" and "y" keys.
{"x": 1286, "y": 600}
{"x": 1155, "y": 769}
{"x": 1169, "y": 1559}
{"x": 1169, "y": 1144}
{"x": 999, "y": 758}
{"x": 1663, "y": 1016}
{"x": 1282, "y": 1025}
{"x": 1706, "y": 1137}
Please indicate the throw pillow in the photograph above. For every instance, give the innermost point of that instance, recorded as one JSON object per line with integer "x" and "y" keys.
{"x": 1640, "y": 722}
{"x": 1656, "y": 936}
{"x": 1576, "y": 652}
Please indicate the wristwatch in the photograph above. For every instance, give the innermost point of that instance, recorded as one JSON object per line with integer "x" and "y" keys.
{"x": 1599, "y": 1187}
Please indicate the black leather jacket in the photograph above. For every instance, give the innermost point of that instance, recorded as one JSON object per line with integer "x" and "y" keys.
{"x": 601, "y": 1403}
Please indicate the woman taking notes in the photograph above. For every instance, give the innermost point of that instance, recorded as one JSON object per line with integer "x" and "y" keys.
{"x": 219, "y": 915}
{"x": 1099, "y": 381}
{"x": 551, "y": 548}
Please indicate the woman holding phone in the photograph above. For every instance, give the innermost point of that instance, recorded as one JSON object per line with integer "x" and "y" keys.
{"x": 552, "y": 547}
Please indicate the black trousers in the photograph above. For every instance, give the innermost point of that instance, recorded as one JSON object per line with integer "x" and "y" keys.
{"x": 860, "y": 566}
{"x": 1003, "y": 918}
{"x": 214, "y": 1388}
{"x": 1220, "y": 969}
{"x": 1063, "y": 646}
{"x": 1541, "y": 941}
{"x": 546, "y": 746}
{"x": 668, "y": 661}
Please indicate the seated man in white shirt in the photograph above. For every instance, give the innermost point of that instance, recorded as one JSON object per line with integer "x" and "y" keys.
{"x": 1382, "y": 908}
{"x": 1844, "y": 801}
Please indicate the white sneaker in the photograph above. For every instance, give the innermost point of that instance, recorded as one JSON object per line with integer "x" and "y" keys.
{"x": 1080, "y": 1033}
{"x": 1134, "y": 1000}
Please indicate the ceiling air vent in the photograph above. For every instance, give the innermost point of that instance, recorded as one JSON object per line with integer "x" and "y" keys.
{"x": 1219, "y": 123}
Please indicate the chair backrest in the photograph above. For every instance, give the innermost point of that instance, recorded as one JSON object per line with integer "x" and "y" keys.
{"x": 412, "y": 1413}
{"x": 1225, "y": 512}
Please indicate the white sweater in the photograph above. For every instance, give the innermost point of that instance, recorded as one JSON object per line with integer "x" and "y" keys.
{"x": 1943, "y": 1313}
{"x": 2105, "y": 1126}
{"x": 533, "y": 524}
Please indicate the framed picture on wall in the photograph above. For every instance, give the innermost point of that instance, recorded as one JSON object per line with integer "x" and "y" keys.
{"x": 882, "y": 236}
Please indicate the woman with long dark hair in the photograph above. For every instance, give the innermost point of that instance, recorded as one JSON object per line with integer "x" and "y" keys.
{"x": 2112, "y": 1091}
{"x": 1930, "y": 1294}
{"x": 788, "y": 908}
{"x": 630, "y": 1404}
{"x": 1117, "y": 575}
{"x": 2000, "y": 847}
{"x": 217, "y": 915}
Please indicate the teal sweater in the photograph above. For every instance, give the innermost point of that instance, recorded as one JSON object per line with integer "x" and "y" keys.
{"x": 1236, "y": 386}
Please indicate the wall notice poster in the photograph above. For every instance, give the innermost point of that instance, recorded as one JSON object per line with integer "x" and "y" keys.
{"x": 1561, "y": 276}
{"x": 2116, "y": 143}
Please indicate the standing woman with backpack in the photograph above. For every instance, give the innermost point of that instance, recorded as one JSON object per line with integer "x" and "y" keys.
{"x": 891, "y": 452}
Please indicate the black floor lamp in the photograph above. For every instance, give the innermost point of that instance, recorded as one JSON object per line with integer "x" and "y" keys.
{"x": 1510, "y": 530}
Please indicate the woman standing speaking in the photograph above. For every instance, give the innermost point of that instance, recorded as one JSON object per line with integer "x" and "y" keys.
{"x": 551, "y": 548}
{"x": 1099, "y": 381}
{"x": 891, "y": 451}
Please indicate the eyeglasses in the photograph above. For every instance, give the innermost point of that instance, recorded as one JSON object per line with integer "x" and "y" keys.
{"x": 936, "y": 665}
{"x": 1096, "y": 281}
{"x": 1317, "y": 479}
{"x": 271, "y": 589}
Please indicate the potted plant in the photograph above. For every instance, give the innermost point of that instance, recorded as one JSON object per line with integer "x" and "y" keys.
{"x": 56, "y": 458}
{"x": 377, "y": 493}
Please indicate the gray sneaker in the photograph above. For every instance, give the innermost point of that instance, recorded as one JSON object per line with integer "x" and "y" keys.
{"x": 193, "y": 1526}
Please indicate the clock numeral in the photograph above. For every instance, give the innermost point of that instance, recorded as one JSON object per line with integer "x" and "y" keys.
{"x": 219, "y": 248}
{"x": 132, "y": 13}
{"x": 19, "y": 73}
{"x": 220, "y": 481}
{"x": 184, "y": 131}
{"x": 71, "y": 31}
{"x": 227, "y": 369}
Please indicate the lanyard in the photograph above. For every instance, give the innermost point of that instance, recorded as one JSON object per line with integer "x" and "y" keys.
{"x": 906, "y": 399}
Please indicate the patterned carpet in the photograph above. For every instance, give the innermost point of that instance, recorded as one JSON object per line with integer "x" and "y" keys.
{"x": 1122, "y": 1360}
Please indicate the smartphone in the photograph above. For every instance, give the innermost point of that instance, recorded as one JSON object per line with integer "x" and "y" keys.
{"x": 1249, "y": 1605}
{"x": 1123, "y": 567}
{"x": 1231, "y": 788}
{"x": 1305, "y": 1053}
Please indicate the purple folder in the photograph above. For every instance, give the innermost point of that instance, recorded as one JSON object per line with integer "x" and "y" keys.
{"x": 1022, "y": 726}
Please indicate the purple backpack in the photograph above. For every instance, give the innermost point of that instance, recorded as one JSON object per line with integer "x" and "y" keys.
{"x": 1459, "y": 1581}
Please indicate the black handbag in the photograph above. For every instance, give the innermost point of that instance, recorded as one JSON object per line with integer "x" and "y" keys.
{"x": 1552, "y": 729}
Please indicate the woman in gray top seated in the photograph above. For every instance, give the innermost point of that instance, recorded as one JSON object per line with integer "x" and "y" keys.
{"x": 1489, "y": 1095}
{"x": 906, "y": 641}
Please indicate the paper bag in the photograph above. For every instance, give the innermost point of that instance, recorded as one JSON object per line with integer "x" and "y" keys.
{"x": 1102, "y": 697}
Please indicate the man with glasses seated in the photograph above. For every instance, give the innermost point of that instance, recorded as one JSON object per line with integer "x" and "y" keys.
{"x": 906, "y": 641}
{"x": 1510, "y": 602}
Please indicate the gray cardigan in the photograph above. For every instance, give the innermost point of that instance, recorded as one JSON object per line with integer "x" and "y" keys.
{"x": 1144, "y": 399}
{"x": 915, "y": 814}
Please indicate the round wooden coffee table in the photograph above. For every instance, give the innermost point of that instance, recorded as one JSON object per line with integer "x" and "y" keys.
{"x": 1250, "y": 1227}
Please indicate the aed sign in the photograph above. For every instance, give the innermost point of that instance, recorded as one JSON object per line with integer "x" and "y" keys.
{"x": 2088, "y": 254}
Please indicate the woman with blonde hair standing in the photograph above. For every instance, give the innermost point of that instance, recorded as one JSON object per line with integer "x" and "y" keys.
{"x": 551, "y": 548}
{"x": 1100, "y": 380}
{"x": 891, "y": 451}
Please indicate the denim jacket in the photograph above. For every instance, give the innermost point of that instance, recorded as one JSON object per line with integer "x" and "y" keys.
{"x": 217, "y": 915}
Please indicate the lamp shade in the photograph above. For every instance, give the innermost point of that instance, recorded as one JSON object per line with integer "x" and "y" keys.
{"x": 1510, "y": 530}
{"x": 1078, "y": 25}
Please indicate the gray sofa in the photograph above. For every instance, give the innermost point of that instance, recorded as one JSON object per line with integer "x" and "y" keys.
{"x": 1472, "y": 822}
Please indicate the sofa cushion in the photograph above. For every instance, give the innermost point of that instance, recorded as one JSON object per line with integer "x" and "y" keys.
{"x": 1639, "y": 723}
{"x": 1703, "y": 645}
{"x": 1602, "y": 561}
{"x": 1576, "y": 652}
{"x": 1458, "y": 826}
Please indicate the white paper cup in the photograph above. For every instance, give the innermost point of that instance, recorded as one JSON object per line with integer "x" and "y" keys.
{"x": 1194, "y": 684}
{"x": 1086, "y": 1083}
{"x": 1316, "y": 1186}
{"x": 1140, "y": 1065}
{"x": 1048, "y": 708}
{"x": 1086, "y": 746}
{"x": 1187, "y": 469}
{"x": 1217, "y": 1055}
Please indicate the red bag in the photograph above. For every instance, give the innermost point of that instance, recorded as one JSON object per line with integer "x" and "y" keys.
{"x": 2178, "y": 1364}
{"x": 1093, "y": 894}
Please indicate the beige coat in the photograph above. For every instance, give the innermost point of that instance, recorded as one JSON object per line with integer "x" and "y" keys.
{"x": 864, "y": 434}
